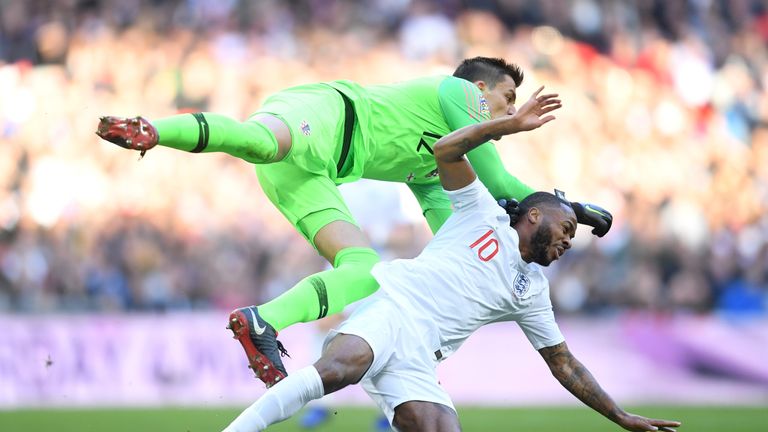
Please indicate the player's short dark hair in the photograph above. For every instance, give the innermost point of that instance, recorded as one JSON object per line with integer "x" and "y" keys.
{"x": 540, "y": 200}
{"x": 488, "y": 69}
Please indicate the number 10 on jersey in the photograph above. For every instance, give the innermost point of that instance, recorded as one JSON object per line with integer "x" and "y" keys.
{"x": 487, "y": 246}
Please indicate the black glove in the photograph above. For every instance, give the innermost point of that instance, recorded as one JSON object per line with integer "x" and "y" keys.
{"x": 512, "y": 207}
{"x": 597, "y": 217}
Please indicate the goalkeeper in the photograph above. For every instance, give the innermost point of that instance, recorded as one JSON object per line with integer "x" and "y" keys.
{"x": 306, "y": 140}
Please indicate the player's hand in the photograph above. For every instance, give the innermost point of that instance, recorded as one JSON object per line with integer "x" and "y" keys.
{"x": 533, "y": 113}
{"x": 637, "y": 423}
{"x": 597, "y": 217}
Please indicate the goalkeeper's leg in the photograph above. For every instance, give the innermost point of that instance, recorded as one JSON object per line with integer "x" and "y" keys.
{"x": 328, "y": 292}
{"x": 312, "y": 111}
{"x": 313, "y": 298}
{"x": 261, "y": 139}
{"x": 313, "y": 204}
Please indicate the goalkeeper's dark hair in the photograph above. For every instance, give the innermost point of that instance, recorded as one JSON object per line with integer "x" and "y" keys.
{"x": 488, "y": 69}
{"x": 538, "y": 200}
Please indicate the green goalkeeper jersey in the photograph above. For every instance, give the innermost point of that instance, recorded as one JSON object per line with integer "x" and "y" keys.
{"x": 397, "y": 125}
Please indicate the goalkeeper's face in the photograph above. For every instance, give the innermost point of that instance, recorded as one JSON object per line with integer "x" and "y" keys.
{"x": 501, "y": 98}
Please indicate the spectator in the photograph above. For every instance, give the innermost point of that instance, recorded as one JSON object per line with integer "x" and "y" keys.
{"x": 678, "y": 159}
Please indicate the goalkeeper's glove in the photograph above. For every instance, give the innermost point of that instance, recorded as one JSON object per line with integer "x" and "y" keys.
{"x": 596, "y": 217}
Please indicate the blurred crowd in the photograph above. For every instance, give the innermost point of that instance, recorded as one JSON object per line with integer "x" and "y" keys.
{"x": 664, "y": 123}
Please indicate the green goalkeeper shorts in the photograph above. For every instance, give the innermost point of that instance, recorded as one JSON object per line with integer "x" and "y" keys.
{"x": 303, "y": 185}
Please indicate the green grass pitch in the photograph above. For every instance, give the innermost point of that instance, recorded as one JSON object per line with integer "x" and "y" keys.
{"x": 347, "y": 419}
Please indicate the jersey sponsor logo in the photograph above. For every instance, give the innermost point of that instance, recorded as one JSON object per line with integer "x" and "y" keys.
{"x": 485, "y": 109}
{"x": 305, "y": 129}
{"x": 521, "y": 285}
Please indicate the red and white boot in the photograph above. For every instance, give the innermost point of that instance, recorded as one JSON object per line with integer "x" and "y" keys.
{"x": 135, "y": 133}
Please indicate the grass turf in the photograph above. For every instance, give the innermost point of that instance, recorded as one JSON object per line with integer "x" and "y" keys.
{"x": 348, "y": 419}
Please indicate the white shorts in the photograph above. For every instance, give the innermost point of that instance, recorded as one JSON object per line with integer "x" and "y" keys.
{"x": 404, "y": 361}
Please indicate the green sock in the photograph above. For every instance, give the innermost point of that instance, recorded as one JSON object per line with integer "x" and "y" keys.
{"x": 325, "y": 293}
{"x": 210, "y": 132}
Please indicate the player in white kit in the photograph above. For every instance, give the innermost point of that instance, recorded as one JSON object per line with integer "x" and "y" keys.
{"x": 481, "y": 267}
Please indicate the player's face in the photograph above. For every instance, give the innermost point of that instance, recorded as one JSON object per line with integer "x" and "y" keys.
{"x": 553, "y": 236}
{"x": 501, "y": 98}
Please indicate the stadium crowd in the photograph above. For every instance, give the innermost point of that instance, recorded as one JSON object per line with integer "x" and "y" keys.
{"x": 664, "y": 123}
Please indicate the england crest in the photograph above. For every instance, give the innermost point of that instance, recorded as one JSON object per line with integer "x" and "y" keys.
{"x": 484, "y": 108}
{"x": 521, "y": 285}
{"x": 305, "y": 129}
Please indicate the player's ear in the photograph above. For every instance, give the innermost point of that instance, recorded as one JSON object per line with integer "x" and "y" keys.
{"x": 533, "y": 215}
{"x": 481, "y": 85}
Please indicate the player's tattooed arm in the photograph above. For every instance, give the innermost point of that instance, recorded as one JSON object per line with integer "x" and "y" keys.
{"x": 576, "y": 378}
{"x": 449, "y": 151}
{"x": 455, "y": 170}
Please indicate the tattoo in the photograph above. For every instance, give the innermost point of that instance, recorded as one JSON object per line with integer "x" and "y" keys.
{"x": 465, "y": 145}
{"x": 452, "y": 147}
{"x": 575, "y": 377}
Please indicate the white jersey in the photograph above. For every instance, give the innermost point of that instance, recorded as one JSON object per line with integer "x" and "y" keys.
{"x": 469, "y": 275}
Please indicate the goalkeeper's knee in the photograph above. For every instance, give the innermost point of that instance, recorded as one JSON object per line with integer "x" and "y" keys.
{"x": 361, "y": 257}
{"x": 354, "y": 265}
{"x": 262, "y": 146}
